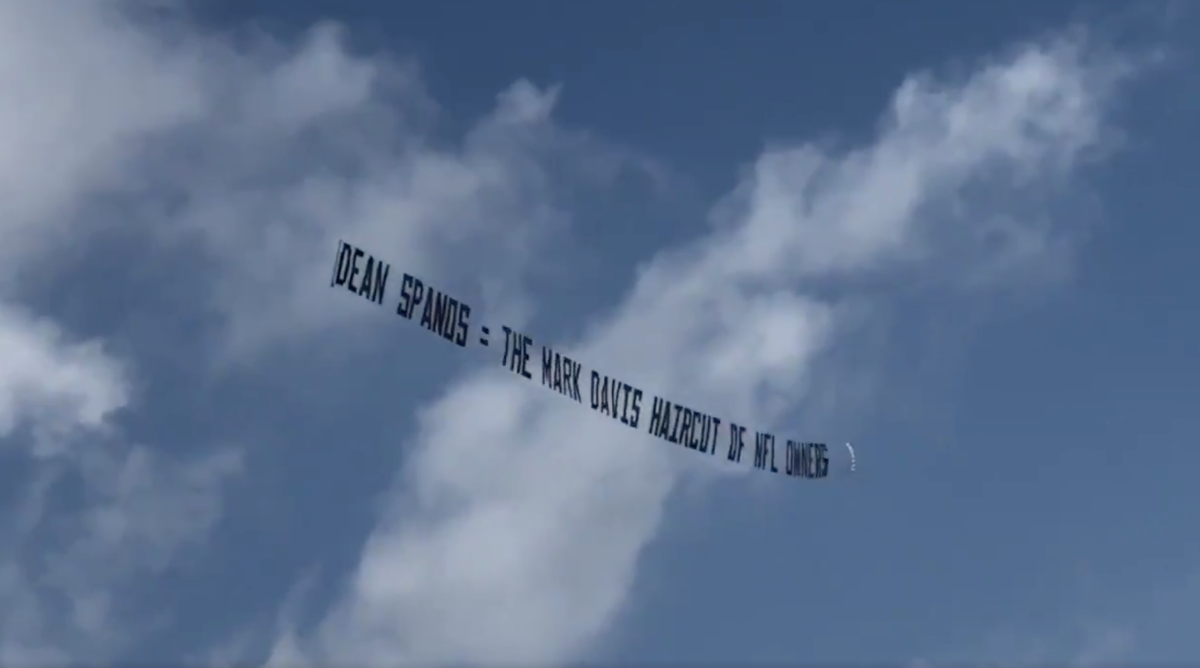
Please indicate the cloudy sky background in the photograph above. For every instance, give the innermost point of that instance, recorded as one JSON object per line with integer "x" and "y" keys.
{"x": 959, "y": 235}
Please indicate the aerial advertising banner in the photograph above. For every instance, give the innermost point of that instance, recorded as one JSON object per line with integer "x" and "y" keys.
{"x": 365, "y": 275}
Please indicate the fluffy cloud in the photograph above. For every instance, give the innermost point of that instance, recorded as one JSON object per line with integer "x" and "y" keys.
{"x": 261, "y": 154}
{"x": 137, "y": 508}
{"x": 515, "y": 535}
{"x": 60, "y": 385}
{"x": 135, "y": 142}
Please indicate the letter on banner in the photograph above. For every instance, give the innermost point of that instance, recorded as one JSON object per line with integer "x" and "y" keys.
{"x": 366, "y": 279}
{"x": 516, "y": 352}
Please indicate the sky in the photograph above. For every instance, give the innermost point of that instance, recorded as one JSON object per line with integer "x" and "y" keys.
{"x": 958, "y": 235}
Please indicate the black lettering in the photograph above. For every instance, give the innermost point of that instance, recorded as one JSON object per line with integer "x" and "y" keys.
{"x": 737, "y": 441}
{"x": 382, "y": 269}
{"x": 626, "y": 389}
{"x": 659, "y": 414}
{"x": 404, "y": 306}
{"x": 771, "y": 438}
{"x": 685, "y": 428}
{"x": 636, "y": 405}
{"x": 464, "y": 324}
{"x": 806, "y": 460}
{"x": 516, "y": 352}
{"x": 696, "y": 430}
{"x": 674, "y": 435}
{"x": 548, "y": 357}
{"x": 428, "y": 311}
{"x": 573, "y": 386}
{"x": 440, "y": 316}
{"x": 448, "y": 326}
{"x": 561, "y": 373}
{"x": 341, "y": 264}
{"x": 354, "y": 269}
{"x": 760, "y": 450}
{"x": 606, "y": 407}
{"x": 823, "y": 452}
{"x": 508, "y": 345}
{"x": 664, "y": 425}
{"x": 596, "y": 390}
{"x": 439, "y": 313}
{"x": 419, "y": 296}
{"x": 714, "y": 433}
{"x": 364, "y": 288}
{"x": 789, "y": 466}
{"x": 526, "y": 344}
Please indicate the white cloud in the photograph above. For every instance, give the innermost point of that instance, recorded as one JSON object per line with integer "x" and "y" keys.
{"x": 265, "y": 153}
{"x": 73, "y": 110}
{"x": 268, "y": 196}
{"x": 138, "y": 509}
{"x": 60, "y": 386}
{"x": 80, "y": 88}
{"x": 254, "y": 155}
{"x": 514, "y": 536}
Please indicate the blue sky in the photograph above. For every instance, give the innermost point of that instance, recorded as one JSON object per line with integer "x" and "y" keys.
{"x": 957, "y": 234}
